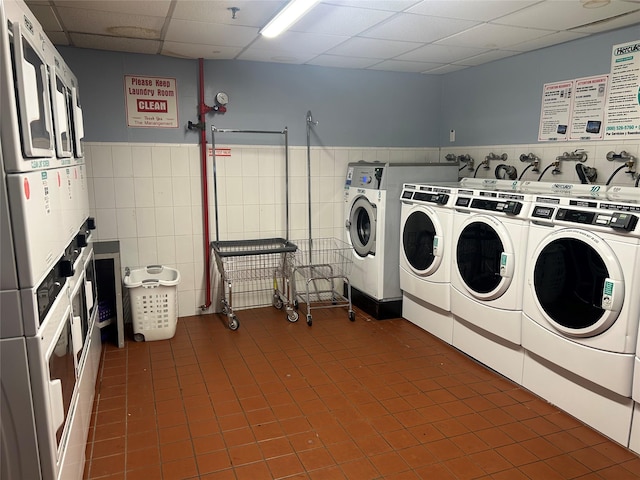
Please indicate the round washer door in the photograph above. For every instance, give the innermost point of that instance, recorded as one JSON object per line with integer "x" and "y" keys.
{"x": 422, "y": 241}
{"x": 362, "y": 227}
{"x": 577, "y": 282}
{"x": 484, "y": 257}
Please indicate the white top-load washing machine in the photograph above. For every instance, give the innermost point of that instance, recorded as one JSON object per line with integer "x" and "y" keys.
{"x": 487, "y": 273}
{"x": 580, "y": 304}
{"x": 426, "y": 223}
{"x": 372, "y": 220}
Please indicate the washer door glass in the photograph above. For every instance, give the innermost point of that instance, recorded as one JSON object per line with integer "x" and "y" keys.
{"x": 577, "y": 284}
{"x": 481, "y": 249}
{"x": 362, "y": 227}
{"x": 421, "y": 242}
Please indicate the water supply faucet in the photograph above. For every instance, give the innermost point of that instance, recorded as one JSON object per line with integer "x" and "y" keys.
{"x": 533, "y": 159}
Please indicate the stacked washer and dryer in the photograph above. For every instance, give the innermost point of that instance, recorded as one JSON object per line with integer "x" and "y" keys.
{"x": 580, "y": 311}
{"x": 49, "y": 343}
{"x": 372, "y": 221}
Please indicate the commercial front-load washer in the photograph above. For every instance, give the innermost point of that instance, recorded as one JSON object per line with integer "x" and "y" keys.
{"x": 487, "y": 274}
{"x": 580, "y": 306}
{"x": 426, "y": 223}
{"x": 372, "y": 220}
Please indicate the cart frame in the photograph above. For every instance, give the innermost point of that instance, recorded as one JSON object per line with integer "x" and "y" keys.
{"x": 322, "y": 262}
{"x": 242, "y": 260}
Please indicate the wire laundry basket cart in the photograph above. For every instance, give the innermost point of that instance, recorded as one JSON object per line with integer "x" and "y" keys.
{"x": 324, "y": 264}
{"x": 252, "y": 261}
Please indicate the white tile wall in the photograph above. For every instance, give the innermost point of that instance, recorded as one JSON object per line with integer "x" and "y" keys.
{"x": 150, "y": 196}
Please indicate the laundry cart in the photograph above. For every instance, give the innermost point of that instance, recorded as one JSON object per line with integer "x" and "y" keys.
{"x": 322, "y": 265}
{"x": 253, "y": 262}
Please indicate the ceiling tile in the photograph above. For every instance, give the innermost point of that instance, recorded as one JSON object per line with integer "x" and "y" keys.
{"x": 47, "y": 17}
{"x": 204, "y": 33}
{"x": 486, "y": 57}
{"x": 191, "y": 50}
{"x": 546, "y": 41}
{"x": 372, "y": 48}
{"x": 445, "y": 69}
{"x": 342, "y": 62}
{"x": 479, "y": 10}
{"x": 116, "y": 44}
{"x": 109, "y": 23}
{"x": 611, "y": 24}
{"x": 400, "y": 66}
{"x": 389, "y": 5}
{"x": 296, "y": 42}
{"x": 440, "y": 53}
{"x": 335, "y": 20}
{"x": 251, "y": 14}
{"x": 417, "y": 28}
{"x": 146, "y": 8}
{"x": 563, "y": 15}
{"x": 489, "y": 35}
{"x": 274, "y": 56}
{"x": 58, "y": 38}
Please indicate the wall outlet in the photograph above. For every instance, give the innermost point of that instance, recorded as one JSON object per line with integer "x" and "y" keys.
{"x": 452, "y": 135}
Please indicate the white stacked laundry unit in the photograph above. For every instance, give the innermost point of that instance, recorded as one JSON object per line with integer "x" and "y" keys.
{"x": 49, "y": 343}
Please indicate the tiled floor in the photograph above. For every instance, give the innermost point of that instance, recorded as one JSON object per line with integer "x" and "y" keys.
{"x": 339, "y": 400}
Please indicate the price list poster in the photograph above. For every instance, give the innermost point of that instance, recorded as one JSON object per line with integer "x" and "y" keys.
{"x": 623, "y": 101}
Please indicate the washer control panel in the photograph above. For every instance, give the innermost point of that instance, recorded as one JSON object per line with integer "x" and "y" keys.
{"x": 365, "y": 176}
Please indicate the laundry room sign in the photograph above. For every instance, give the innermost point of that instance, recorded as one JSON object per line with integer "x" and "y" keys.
{"x": 151, "y": 102}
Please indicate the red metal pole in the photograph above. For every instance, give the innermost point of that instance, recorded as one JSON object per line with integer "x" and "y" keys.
{"x": 202, "y": 110}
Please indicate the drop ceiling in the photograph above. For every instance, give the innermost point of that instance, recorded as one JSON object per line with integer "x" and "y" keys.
{"x": 431, "y": 36}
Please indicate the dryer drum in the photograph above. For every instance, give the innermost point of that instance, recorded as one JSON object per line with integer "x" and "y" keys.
{"x": 569, "y": 278}
{"x": 478, "y": 257}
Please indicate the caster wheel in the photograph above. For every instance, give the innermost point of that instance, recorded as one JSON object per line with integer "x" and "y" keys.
{"x": 138, "y": 337}
{"x": 234, "y": 324}
{"x": 293, "y": 316}
{"x": 352, "y": 316}
{"x": 277, "y": 302}
{"x": 225, "y": 310}
{"x": 309, "y": 321}
{"x": 295, "y": 304}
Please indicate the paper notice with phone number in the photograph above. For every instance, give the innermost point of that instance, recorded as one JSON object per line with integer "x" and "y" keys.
{"x": 623, "y": 102}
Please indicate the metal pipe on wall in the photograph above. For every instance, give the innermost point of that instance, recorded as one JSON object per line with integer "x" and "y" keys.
{"x": 202, "y": 110}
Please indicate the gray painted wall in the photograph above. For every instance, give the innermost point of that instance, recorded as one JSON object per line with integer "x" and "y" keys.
{"x": 499, "y": 102}
{"x": 496, "y": 103}
{"x": 353, "y": 108}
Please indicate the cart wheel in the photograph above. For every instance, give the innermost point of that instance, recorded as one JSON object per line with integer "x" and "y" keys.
{"x": 138, "y": 337}
{"x": 225, "y": 310}
{"x": 233, "y": 323}
{"x": 295, "y": 304}
{"x": 277, "y": 302}
{"x": 309, "y": 321}
{"x": 293, "y": 316}
{"x": 352, "y": 316}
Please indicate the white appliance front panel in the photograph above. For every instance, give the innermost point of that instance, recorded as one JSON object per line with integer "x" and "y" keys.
{"x": 35, "y": 205}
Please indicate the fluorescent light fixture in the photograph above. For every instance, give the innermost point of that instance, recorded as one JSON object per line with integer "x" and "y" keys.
{"x": 290, "y": 14}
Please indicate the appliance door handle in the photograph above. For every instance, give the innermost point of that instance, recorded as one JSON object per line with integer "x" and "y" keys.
{"x": 76, "y": 335}
{"x": 612, "y": 295}
{"x": 507, "y": 265}
{"x": 437, "y": 246}
{"x": 57, "y": 406}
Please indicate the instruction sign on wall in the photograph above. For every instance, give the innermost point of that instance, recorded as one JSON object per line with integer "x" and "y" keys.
{"x": 555, "y": 112}
{"x": 151, "y": 102}
{"x": 587, "y": 117}
{"x": 623, "y": 105}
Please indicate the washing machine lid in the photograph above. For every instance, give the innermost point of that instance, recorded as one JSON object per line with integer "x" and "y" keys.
{"x": 577, "y": 282}
{"x": 484, "y": 257}
{"x": 361, "y": 226}
{"x": 422, "y": 241}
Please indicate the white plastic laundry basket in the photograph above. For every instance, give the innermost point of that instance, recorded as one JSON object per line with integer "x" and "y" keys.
{"x": 154, "y": 301}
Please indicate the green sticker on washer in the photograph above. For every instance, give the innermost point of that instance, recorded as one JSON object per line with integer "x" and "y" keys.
{"x": 608, "y": 287}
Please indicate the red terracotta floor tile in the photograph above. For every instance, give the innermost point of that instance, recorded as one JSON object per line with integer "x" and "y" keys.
{"x": 339, "y": 400}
